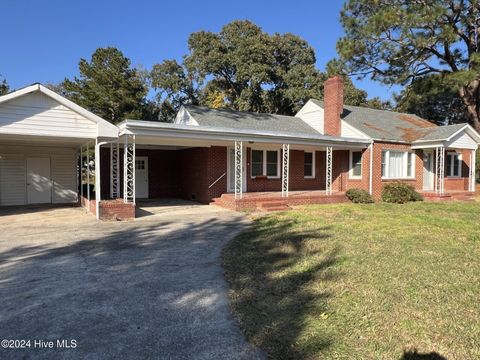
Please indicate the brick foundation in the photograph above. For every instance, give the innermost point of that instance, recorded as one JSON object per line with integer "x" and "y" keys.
{"x": 111, "y": 209}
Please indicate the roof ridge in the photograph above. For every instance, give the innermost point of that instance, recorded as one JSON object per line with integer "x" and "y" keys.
{"x": 240, "y": 111}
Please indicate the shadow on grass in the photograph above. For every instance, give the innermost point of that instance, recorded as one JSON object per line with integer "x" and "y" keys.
{"x": 274, "y": 271}
{"x": 414, "y": 355}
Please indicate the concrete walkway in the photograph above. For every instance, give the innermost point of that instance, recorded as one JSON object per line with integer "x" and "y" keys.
{"x": 152, "y": 288}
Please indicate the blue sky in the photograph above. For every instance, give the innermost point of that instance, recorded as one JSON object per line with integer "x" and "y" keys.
{"x": 44, "y": 40}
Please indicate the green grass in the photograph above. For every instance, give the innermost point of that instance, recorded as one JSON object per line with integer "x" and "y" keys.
{"x": 355, "y": 281}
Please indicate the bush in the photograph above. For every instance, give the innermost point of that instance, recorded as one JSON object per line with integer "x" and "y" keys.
{"x": 400, "y": 193}
{"x": 359, "y": 196}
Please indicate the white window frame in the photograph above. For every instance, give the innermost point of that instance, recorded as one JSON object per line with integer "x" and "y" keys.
{"x": 405, "y": 162}
{"x": 350, "y": 171}
{"x": 264, "y": 164}
{"x": 452, "y": 162}
{"x": 313, "y": 164}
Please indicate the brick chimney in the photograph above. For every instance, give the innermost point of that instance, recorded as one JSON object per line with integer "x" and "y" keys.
{"x": 333, "y": 105}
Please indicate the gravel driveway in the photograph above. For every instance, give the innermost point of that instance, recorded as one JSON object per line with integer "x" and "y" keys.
{"x": 152, "y": 288}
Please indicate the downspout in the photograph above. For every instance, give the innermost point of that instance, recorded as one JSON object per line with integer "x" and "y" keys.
{"x": 370, "y": 186}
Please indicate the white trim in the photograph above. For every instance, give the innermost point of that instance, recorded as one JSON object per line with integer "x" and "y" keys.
{"x": 105, "y": 129}
{"x": 313, "y": 164}
{"x": 264, "y": 163}
{"x": 350, "y": 165}
{"x": 154, "y": 129}
{"x": 405, "y": 163}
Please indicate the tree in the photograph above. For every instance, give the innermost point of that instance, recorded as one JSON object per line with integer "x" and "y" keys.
{"x": 351, "y": 94}
{"x": 108, "y": 86}
{"x": 4, "y": 88}
{"x": 242, "y": 68}
{"x": 432, "y": 97}
{"x": 399, "y": 41}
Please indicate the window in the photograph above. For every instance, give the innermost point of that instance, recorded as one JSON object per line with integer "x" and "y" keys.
{"x": 257, "y": 162}
{"x": 398, "y": 164}
{"x": 355, "y": 164}
{"x": 265, "y": 163}
{"x": 309, "y": 164}
{"x": 454, "y": 165}
{"x": 272, "y": 163}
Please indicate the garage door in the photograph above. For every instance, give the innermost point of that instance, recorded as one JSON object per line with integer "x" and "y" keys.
{"x": 34, "y": 175}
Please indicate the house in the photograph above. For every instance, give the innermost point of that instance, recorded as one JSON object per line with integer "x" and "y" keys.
{"x": 236, "y": 159}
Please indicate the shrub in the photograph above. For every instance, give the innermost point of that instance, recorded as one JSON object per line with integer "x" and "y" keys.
{"x": 359, "y": 196}
{"x": 400, "y": 193}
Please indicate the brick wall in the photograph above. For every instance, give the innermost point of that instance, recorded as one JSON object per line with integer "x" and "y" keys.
{"x": 378, "y": 182}
{"x": 333, "y": 105}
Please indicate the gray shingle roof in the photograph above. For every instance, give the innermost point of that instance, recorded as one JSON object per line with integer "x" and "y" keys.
{"x": 226, "y": 118}
{"x": 443, "y": 132}
{"x": 384, "y": 124}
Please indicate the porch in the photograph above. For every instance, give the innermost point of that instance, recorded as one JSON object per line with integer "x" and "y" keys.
{"x": 273, "y": 200}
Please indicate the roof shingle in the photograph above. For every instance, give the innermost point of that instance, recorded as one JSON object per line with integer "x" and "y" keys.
{"x": 227, "y": 118}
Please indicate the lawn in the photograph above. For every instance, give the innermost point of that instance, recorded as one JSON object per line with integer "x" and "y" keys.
{"x": 354, "y": 281}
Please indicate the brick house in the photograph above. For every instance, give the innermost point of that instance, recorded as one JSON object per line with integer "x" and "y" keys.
{"x": 245, "y": 160}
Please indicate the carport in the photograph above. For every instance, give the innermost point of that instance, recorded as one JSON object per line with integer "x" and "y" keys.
{"x": 41, "y": 137}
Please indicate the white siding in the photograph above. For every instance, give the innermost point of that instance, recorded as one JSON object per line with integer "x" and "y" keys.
{"x": 38, "y": 114}
{"x": 350, "y": 132}
{"x": 13, "y": 173}
{"x": 64, "y": 175}
{"x": 462, "y": 141}
{"x": 12, "y": 179}
{"x": 184, "y": 118}
{"x": 312, "y": 114}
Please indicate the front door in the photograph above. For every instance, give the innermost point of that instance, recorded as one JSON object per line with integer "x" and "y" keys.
{"x": 427, "y": 171}
{"x": 231, "y": 171}
{"x": 39, "y": 184}
{"x": 141, "y": 177}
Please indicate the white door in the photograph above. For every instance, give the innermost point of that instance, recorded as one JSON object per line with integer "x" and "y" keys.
{"x": 141, "y": 177}
{"x": 427, "y": 171}
{"x": 39, "y": 184}
{"x": 231, "y": 170}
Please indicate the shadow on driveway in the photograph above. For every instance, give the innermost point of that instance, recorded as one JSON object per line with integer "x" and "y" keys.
{"x": 144, "y": 289}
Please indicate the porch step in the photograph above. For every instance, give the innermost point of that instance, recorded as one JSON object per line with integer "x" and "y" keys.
{"x": 462, "y": 196}
{"x": 274, "y": 205}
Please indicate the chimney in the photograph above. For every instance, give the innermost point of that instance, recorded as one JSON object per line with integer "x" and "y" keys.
{"x": 333, "y": 105}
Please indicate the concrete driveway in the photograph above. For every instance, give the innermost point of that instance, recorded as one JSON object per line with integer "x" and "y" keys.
{"x": 152, "y": 288}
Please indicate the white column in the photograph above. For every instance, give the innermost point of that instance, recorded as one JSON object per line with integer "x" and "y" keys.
{"x": 81, "y": 173}
{"x": 238, "y": 170}
{"x": 472, "y": 170}
{"x": 97, "y": 179}
{"x": 440, "y": 170}
{"x": 328, "y": 170}
{"x": 285, "y": 168}
{"x": 88, "y": 177}
{"x": 114, "y": 171}
{"x": 370, "y": 170}
{"x": 129, "y": 169}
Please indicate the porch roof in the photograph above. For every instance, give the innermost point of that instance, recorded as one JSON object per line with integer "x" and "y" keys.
{"x": 169, "y": 130}
{"x": 461, "y": 136}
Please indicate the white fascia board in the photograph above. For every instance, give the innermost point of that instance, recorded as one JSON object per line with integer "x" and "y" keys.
{"x": 427, "y": 145}
{"x": 145, "y": 128}
{"x": 105, "y": 129}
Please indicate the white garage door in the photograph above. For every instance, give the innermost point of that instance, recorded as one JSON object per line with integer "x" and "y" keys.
{"x": 34, "y": 175}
